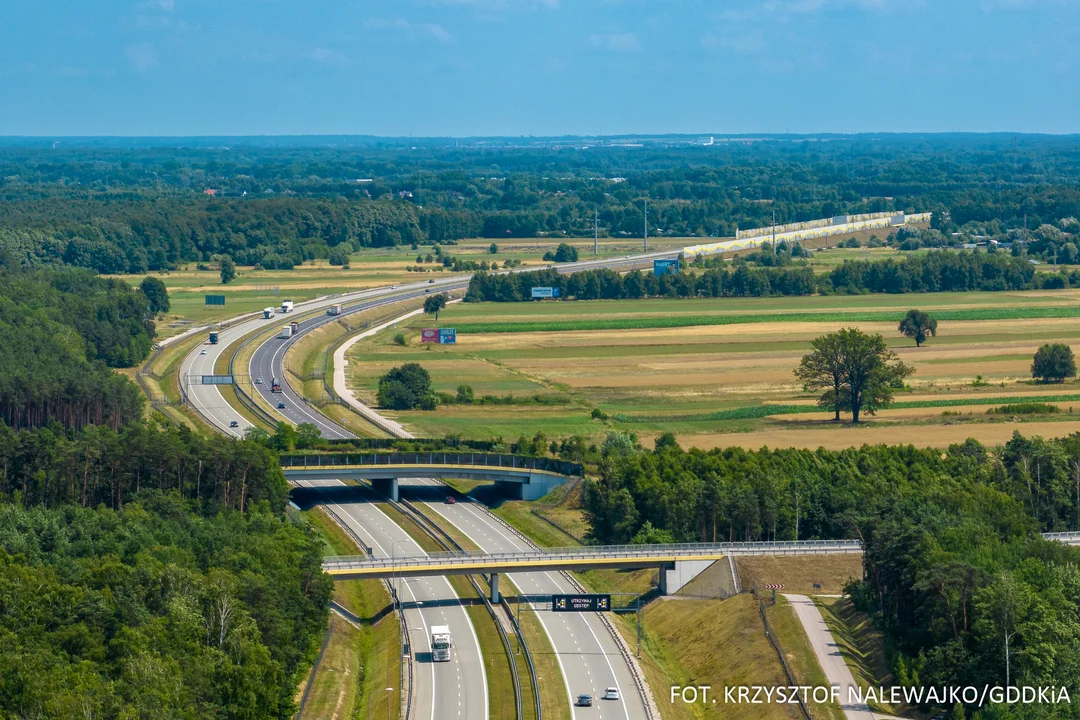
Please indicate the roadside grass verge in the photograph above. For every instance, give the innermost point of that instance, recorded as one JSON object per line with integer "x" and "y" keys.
{"x": 335, "y": 687}
{"x": 861, "y": 647}
{"x": 799, "y": 573}
{"x": 674, "y": 321}
{"x": 376, "y": 659}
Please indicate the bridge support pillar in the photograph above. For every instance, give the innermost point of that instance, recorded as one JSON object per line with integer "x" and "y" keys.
{"x": 494, "y": 588}
{"x": 388, "y": 487}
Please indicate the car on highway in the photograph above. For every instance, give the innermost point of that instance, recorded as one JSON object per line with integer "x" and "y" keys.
{"x": 258, "y": 381}
{"x": 234, "y": 424}
{"x": 431, "y": 281}
{"x": 427, "y": 289}
{"x": 281, "y": 406}
{"x": 584, "y": 701}
{"x": 450, "y": 500}
{"x": 202, "y": 352}
{"x": 611, "y": 694}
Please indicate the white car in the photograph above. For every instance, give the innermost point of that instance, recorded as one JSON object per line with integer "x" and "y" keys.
{"x": 202, "y": 352}
{"x": 611, "y": 694}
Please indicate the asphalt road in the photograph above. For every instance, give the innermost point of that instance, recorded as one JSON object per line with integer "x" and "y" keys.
{"x": 588, "y": 656}
{"x": 454, "y": 690}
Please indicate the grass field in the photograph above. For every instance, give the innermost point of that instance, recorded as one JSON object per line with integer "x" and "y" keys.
{"x": 720, "y": 372}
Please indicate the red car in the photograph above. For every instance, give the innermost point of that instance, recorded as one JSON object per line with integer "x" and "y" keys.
{"x": 450, "y": 500}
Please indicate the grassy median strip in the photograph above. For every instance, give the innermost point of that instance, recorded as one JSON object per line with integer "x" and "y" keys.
{"x": 500, "y": 681}
{"x": 364, "y": 661}
{"x": 800, "y": 656}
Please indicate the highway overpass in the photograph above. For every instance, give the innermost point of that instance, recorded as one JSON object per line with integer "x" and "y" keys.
{"x": 518, "y": 476}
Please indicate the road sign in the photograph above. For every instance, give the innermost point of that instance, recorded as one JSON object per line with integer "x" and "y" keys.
{"x": 429, "y": 335}
{"x": 447, "y": 336}
{"x": 215, "y": 299}
{"x": 774, "y": 586}
{"x": 539, "y": 293}
{"x": 217, "y": 379}
{"x": 661, "y": 267}
{"x": 580, "y": 603}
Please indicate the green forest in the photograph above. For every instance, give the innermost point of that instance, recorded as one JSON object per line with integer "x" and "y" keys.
{"x": 953, "y": 557}
{"x": 146, "y": 571}
{"x": 122, "y": 206}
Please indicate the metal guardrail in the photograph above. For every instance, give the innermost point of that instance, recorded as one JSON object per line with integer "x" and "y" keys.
{"x": 589, "y": 552}
{"x": 492, "y": 460}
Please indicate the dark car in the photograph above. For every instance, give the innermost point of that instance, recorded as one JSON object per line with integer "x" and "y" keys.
{"x": 431, "y": 281}
{"x": 234, "y": 424}
{"x": 281, "y": 406}
{"x": 584, "y": 701}
{"x": 450, "y": 500}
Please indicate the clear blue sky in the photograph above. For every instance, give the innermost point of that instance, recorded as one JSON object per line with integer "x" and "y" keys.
{"x": 537, "y": 67}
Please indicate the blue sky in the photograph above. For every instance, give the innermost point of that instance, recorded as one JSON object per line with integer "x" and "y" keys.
{"x": 537, "y": 67}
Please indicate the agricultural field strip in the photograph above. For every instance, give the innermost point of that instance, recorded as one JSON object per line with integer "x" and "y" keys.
{"x": 650, "y": 322}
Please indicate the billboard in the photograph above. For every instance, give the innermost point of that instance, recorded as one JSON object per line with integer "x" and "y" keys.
{"x": 661, "y": 267}
{"x": 447, "y": 336}
{"x": 580, "y": 603}
{"x": 429, "y": 335}
{"x": 544, "y": 292}
{"x": 215, "y": 299}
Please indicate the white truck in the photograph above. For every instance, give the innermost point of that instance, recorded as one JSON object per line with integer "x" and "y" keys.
{"x": 286, "y": 306}
{"x": 286, "y": 332}
{"x": 334, "y": 310}
{"x": 268, "y": 312}
{"x": 440, "y": 643}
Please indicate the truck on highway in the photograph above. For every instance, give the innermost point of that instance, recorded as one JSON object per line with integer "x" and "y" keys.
{"x": 268, "y": 313}
{"x": 286, "y": 332}
{"x": 334, "y": 310}
{"x": 213, "y": 338}
{"x": 275, "y": 386}
{"x": 440, "y": 643}
{"x": 286, "y": 306}
{"x": 295, "y": 327}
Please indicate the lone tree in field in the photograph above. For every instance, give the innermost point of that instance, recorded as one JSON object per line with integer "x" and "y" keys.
{"x": 918, "y": 326}
{"x": 228, "y": 269}
{"x": 1054, "y": 363}
{"x": 434, "y": 304}
{"x": 857, "y": 371}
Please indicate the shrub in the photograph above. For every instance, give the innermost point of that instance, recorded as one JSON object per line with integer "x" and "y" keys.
{"x": 1027, "y": 408}
{"x": 400, "y": 339}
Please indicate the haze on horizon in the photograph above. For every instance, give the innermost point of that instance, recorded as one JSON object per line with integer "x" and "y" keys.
{"x": 537, "y": 67}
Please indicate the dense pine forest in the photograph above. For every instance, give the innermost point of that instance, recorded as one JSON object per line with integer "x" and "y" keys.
{"x": 145, "y": 571}
{"x": 953, "y": 557}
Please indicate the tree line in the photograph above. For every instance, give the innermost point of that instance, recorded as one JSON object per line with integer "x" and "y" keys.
{"x": 931, "y": 272}
{"x": 952, "y": 561}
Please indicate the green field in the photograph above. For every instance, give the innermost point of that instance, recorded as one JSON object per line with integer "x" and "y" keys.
{"x": 720, "y": 371}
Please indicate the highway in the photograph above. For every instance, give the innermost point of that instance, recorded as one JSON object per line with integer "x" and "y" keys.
{"x": 208, "y": 400}
{"x": 588, "y": 656}
{"x": 454, "y": 690}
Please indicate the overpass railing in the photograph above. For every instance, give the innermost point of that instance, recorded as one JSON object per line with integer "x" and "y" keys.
{"x": 514, "y": 462}
{"x": 600, "y": 552}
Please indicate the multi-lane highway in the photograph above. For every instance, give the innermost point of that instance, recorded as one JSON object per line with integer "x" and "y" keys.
{"x": 588, "y": 656}
{"x": 454, "y": 690}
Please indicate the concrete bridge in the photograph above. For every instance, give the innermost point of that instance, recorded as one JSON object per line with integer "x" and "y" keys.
{"x": 679, "y": 563}
{"x": 518, "y": 476}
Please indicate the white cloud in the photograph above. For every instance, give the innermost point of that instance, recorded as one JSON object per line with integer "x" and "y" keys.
{"x": 142, "y": 56}
{"x": 615, "y": 42}
{"x": 430, "y": 31}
